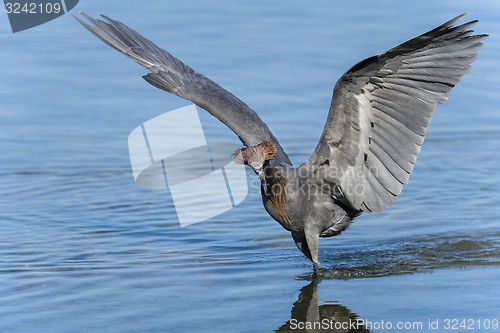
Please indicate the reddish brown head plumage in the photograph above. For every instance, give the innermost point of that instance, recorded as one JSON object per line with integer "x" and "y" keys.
{"x": 264, "y": 151}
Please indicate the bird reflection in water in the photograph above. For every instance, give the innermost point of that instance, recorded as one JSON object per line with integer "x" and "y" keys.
{"x": 308, "y": 316}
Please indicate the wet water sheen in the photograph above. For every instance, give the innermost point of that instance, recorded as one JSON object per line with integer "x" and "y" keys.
{"x": 83, "y": 249}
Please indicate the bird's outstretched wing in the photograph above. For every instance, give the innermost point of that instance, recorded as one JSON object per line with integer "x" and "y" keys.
{"x": 380, "y": 111}
{"x": 170, "y": 74}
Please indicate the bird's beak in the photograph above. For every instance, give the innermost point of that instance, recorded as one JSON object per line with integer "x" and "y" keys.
{"x": 262, "y": 178}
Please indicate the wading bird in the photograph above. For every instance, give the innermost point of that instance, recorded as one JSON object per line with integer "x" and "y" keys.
{"x": 378, "y": 117}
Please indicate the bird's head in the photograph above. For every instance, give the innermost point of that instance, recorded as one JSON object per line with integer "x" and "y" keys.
{"x": 256, "y": 157}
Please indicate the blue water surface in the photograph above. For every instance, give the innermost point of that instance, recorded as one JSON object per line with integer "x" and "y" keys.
{"x": 83, "y": 249}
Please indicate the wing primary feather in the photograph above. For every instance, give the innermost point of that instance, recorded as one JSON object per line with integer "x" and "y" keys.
{"x": 172, "y": 75}
{"x": 377, "y": 139}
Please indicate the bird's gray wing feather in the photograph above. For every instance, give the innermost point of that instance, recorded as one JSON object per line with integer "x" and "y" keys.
{"x": 170, "y": 74}
{"x": 380, "y": 111}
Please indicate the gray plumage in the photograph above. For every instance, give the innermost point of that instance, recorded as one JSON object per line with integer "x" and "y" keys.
{"x": 378, "y": 118}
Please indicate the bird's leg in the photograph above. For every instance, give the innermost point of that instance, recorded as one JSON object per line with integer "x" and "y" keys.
{"x": 300, "y": 241}
{"x": 307, "y": 242}
{"x": 312, "y": 233}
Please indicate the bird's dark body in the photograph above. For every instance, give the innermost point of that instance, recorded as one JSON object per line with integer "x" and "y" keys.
{"x": 379, "y": 114}
{"x": 311, "y": 210}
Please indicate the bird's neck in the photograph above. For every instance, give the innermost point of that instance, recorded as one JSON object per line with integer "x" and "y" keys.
{"x": 276, "y": 198}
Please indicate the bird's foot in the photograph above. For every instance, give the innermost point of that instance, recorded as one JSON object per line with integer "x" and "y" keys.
{"x": 316, "y": 268}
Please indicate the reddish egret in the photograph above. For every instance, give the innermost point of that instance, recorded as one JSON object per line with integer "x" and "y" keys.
{"x": 378, "y": 117}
